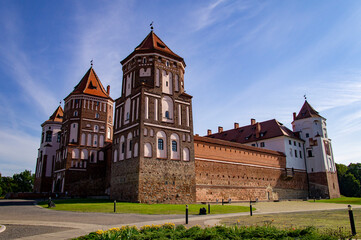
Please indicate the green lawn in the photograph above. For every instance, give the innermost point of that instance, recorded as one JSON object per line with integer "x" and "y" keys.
{"x": 343, "y": 200}
{"x": 96, "y": 205}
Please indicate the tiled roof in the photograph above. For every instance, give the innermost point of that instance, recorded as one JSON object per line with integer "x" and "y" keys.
{"x": 91, "y": 85}
{"x": 266, "y": 130}
{"x": 307, "y": 111}
{"x": 153, "y": 44}
{"x": 57, "y": 116}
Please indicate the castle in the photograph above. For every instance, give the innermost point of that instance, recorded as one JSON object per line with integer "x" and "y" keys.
{"x": 142, "y": 148}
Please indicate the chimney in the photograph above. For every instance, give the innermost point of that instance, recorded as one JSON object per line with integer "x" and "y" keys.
{"x": 108, "y": 89}
{"x": 209, "y": 132}
{"x": 253, "y": 121}
{"x": 258, "y": 129}
{"x": 220, "y": 129}
{"x": 236, "y": 125}
{"x": 294, "y": 116}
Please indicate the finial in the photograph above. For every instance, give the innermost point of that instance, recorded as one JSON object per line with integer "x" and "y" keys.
{"x": 151, "y": 26}
{"x": 60, "y": 103}
{"x": 91, "y": 63}
{"x": 305, "y": 97}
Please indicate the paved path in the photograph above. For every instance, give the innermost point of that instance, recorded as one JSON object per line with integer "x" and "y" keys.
{"x": 24, "y": 220}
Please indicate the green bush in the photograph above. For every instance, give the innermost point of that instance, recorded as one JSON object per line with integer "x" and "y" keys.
{"x": 169, "y": 231}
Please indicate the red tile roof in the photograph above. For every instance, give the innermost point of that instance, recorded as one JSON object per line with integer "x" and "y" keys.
{"x": 91, "y": 85}
{"x": 57, "y": 116}
{"x": 307, "y": 111}
{"x": 153, "y": 44}
{"x": 266, "y": 130}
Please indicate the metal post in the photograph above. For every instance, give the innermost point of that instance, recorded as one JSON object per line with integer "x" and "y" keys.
{"x": 352, "y": 221}
{"x": 250, "y": 208}
{"x": 115, "y": 206}
{"x": 222, "y": 202}
{"x": 209, "y": 208}
{"x": 186, "y": 214}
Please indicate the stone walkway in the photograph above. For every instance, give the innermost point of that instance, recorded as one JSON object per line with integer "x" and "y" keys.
{"x": 26, "y": 221}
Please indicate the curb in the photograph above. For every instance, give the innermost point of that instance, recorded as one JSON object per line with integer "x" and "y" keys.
{"x": 2, "y": 228}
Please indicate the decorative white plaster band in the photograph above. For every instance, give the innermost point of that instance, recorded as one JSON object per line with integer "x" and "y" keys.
{"x": 136, "y": 95}
{"x": 61, "y": 170}
{"x": 87, "y": 119}
{"x": 152, "y": 54}
{"x": 122, "y": 130}
{"x": 152, "y": 95}
{"x": 186, "y": 103}
{"x": 236, "y": 163}
{"x": 171, "y": 128}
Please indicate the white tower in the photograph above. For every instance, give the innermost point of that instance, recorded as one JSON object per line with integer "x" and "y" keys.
{"x": 320, "y": 163}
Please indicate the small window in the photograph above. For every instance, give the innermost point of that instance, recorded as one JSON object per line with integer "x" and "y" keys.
{"x": 300, "y": 154}
{"x": 174, "y": 146}
{"x": 130, "y": 145}
{"x": 294, "y": 143}
{"x": 96, "y": 103}
{"x": 299, "y": 144}
{"x": 289, "y": 142}
{"x": 166, "y": 83}
{"x": 307, "y": 135}
{"x": 75, "y": 113}
{"x": 58, "y": 137}
{"x": 123, "y": 147}
{"x": 127, "y": 118}
{"x": 97, "y": 115}
{"x": 167, "y": 63}
{"x": 295, "y": 153}
{"x": 48, "y": 136}
{"x": 144, "y": 60}
{"x": 160, "y": 144}
{"x": 167, "y": 114}
{"x": 253, "y": 144}
{"x": 309, "y": 153}
{"x": 262, "y": 144}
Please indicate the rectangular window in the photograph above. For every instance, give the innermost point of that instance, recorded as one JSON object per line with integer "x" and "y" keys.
{"x": 262, "y": 144}
{"x": 48, "y": 136}
{"x": 123, "y": 147}
{"x": 130, "y": 145}
{"x": 174, "y": 146}
{"x": 253, "y": 144}
{"x": 294, "y": 143}
{"x": 295, "y": 153}
{"x": 307, "y": 135}
{"x": 289, "y": 142}
{"x": 160, "y": 144}
{"x": 309, "y": 153}
{"x": 58, "y": 137}
{"x": 299, "y": 144}
{"x": 300, "y": 154}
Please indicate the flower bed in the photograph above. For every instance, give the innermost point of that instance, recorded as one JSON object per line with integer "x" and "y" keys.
{"x": 170, "y": 231}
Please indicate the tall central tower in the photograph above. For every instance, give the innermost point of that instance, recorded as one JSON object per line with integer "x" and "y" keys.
{"x": 153, "y": 148}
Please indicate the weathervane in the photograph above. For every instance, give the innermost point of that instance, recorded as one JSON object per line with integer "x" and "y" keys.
{"x": 151, "y": 26}
{"x": 305, "y": 97}
{"x": 60, "y": 103}
{"x": 91, "y": 63}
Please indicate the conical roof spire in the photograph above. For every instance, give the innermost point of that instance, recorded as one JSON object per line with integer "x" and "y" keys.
{"x": 307, "y": 111}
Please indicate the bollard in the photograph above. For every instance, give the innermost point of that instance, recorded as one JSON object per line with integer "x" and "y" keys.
{"x": 222, "y": 202}
{"x": 209, "y": 208}
{"x": 352, "y": 221}
{"x": 115, "y": 206}
{"x": 186, "y": 214}
{"x": 250, "y": 208}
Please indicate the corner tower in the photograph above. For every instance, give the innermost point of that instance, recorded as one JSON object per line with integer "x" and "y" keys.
{"x": 50, "y": 139}
{"x": 321, "y": 168}
{"x": 153, "y": 148}
{"x": 87, "y": 130}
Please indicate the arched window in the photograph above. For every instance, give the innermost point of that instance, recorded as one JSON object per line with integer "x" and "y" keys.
{"x": 82, "y": 139}
{"x": 49, "y": 135}
{"x": 84, "y": 154}
{"x": 101, "y": 156}
{"x": 185, "y": 154}
{"x": 108, "y": 133}
{"x": 93, "y": 156}
{"x": 162, "y": 148}
{"x": 174, "y": 142}
{"x": 115, "y": 155}
{"x": 135, "y": 154}
{"x": 122, "y": 148}
{"x": 147, "y": 150}
{"x": 75, "y": 154}
{"x": 101, "y": 141}
{"x": 75, "y": 114}
{"x": 167, "y": 109}
{"x": 89, "y": 143}
{"x": 97, "y": 115}
{"x": 96, "y": 128}
{"x": 129, "y": 144}
{"x": 127, "y": 111}
{"x": 95, "y": 140}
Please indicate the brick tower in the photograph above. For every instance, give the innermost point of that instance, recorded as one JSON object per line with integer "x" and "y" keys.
{"x": 321, "y": 168}
{"x": 153, "y": 148}
{"x": 50, "y": 139}
{"x": 87, "y": 129}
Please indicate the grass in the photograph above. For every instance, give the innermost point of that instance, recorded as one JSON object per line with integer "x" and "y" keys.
{"x": 170, "y": 231}
{"x": 343, "y": 200}
{"x": 335, "y": 220}
{"x": 107, "y": 206}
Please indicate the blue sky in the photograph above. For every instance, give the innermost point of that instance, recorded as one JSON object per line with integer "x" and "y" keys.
{"x": 245, "y": 59}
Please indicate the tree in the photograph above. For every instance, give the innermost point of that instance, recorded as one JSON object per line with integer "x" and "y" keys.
{"x": 23, "y": 181}
{"x": 355, "y": 169}
{"x": 349, "y": 178}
